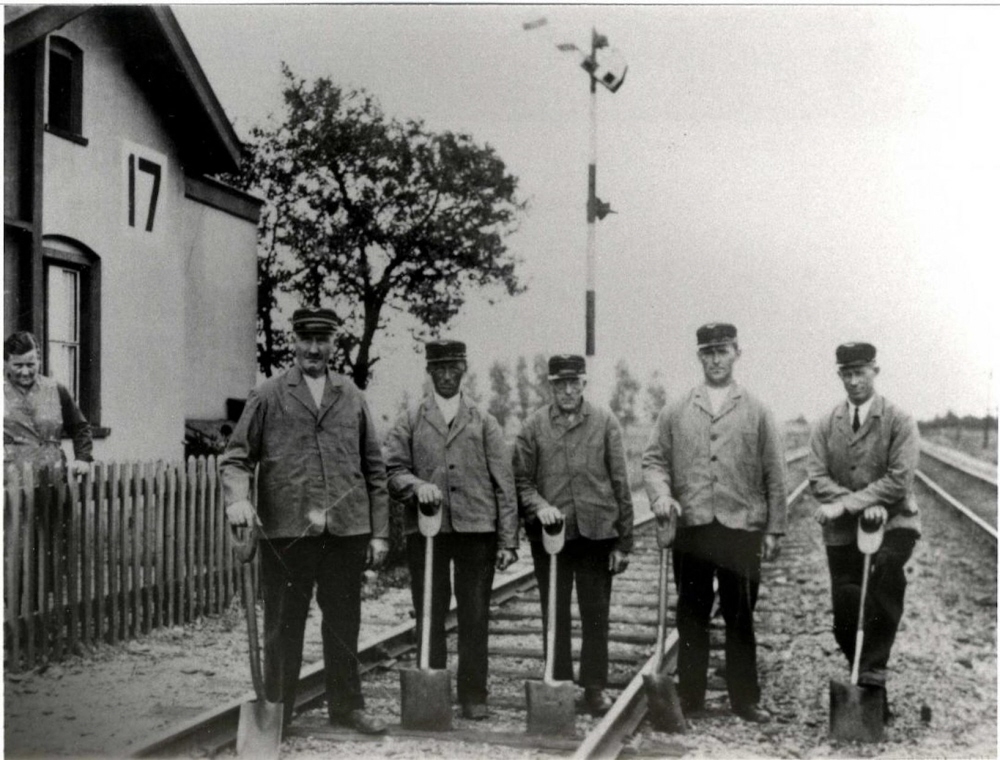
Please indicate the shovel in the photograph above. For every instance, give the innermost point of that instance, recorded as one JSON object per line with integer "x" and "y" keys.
{"x": 551, "y": 703}
{"x": 426, "y": 693}
{"x": 258, "y": 734}
{"x": 856, "y": 712}
{"x": 661, "y": 694}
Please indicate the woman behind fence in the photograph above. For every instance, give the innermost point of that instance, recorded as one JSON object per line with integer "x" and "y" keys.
{"x": 38, "y": 411}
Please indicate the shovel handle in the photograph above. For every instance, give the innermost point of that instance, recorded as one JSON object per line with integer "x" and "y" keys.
{"x": 661, "y": 621}
{"x": 859, "y": 636}
{"x": 425, "y": 604}
{"x": 550, "y": 631}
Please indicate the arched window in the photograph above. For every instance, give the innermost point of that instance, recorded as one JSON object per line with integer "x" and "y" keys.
{"x": 72, "y": 340}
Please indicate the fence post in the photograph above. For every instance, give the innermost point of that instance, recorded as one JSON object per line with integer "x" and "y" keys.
{"x": 159, "y": 589}
{"x": 73, "y": 576}
{"x": 117, "y": 555}
{"x": 135, "y": 513}
{"x": 192, "y": 492}
{"x": 13, "y": 503}
{"x": 87, "y": 555}
{"x": 62, "y": 572}
{"x": 169, "y": 539}
{"x": 100, "y": 505}
{"x": 148, "y": 539}
{"x": 29, "y": 597}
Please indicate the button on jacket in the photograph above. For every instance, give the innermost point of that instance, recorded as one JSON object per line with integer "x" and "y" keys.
{"x": 320, "y": 469}
{"x": 579, "y": 468}
{"x": 874, "y": 466}
{"x": 727, "y": 466}
{"x": 467, "y": 460}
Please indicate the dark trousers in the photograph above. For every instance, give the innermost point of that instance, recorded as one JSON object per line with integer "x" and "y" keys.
{"x": 702, "y": 553}
{"x": 474, "y": 557}
{"x": 883, "y": 600}
{"x": 290, "y": 568}
{"x": 585, "y": 562}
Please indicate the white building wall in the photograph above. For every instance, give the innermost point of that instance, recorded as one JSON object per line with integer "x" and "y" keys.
{"x": 221, "y": 313}
{"x": 150, "y": 382}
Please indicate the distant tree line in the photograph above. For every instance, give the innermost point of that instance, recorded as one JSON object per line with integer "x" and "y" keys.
{"x": 515, "y": 392}
{"x": 950, "y": 420}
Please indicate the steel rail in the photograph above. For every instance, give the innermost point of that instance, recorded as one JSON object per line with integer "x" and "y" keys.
{"x": 608, "y": 737}
{"x": 955, "y": 503}
{"x": 957, "y": 460}
{"x": 215, "y": 730}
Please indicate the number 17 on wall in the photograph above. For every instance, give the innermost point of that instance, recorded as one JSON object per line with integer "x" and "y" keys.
{"x": 145, "y": 174}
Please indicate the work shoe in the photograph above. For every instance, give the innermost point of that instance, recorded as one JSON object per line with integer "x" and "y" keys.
{"x": 474, "y": 711}
{"x": 360, "y": 721}
{"x": 595, "y": 701}
{"x": 752, "y": 714}
{"x": 883, "y": 696}
{"x": 692, "y": 706}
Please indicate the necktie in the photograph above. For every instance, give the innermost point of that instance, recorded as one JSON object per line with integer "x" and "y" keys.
{"x": 857, "y": 421}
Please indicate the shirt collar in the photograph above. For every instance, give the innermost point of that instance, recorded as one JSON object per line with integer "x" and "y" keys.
{"x": 863, "y": 409}
{"x": 448, "y": 406}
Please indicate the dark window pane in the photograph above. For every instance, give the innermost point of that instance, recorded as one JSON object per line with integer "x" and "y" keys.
{"x": 60, "y": 91}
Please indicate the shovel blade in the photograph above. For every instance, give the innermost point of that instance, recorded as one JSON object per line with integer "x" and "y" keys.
{"x": 426, "y": 699}
{"x": 258, "y": 734}
{"x": 855, "y": 713}
{"x": 664, "y": 705}
{"x": 551, "y": 708}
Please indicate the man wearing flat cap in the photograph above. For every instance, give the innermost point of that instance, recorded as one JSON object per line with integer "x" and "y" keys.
{"x": 322, "y": 514}
{"x": 448, "y": 453}
{"x": 569, "y": 465}
{"x": 715, "y": 462}
{"x": 863, "y": 455}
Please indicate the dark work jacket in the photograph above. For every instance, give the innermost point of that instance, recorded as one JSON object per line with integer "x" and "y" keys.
{"x": 468, "y": 461}
{"x": 580, "y": 469}
{"x": 320, "y": 469}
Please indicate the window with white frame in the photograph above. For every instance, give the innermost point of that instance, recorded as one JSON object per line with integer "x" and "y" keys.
{"x": 62, "y": 321}
{"x": 72, "y": 333}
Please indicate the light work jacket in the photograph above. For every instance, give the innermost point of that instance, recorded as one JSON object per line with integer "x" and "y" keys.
{"x": 321, "y": 469}
{"x": 468, "y": 461}
{"x": 579, "y": 468}
{"x": 727, "y": 466}
{"x": 874, "y": 466}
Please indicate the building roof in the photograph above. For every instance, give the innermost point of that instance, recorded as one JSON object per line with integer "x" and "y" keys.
{"x": 162, "y": 63}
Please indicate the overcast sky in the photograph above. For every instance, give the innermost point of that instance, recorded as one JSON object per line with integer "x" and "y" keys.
{"x": 814, "y": 174}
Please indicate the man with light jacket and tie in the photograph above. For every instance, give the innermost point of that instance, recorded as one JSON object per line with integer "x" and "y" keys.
{"x": 863, "y": 455}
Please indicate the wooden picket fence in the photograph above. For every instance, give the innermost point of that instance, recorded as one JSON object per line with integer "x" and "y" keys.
{"x": 112, "y": 556}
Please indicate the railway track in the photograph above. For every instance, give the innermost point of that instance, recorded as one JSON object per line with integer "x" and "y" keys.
{"x": 515, "y": 656}
{"x": 515, "y": 646}
{"x": 974, "y": 484}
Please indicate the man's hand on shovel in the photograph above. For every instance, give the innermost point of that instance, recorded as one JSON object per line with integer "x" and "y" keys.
{"x": 242, "y": 513}
{"x": 772, "y": 547}
{"x": 618, "y": 562}
{"x": 875, "y": 515}
{"x": 428, "y": 493}
{"x": 665, "y": 508}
